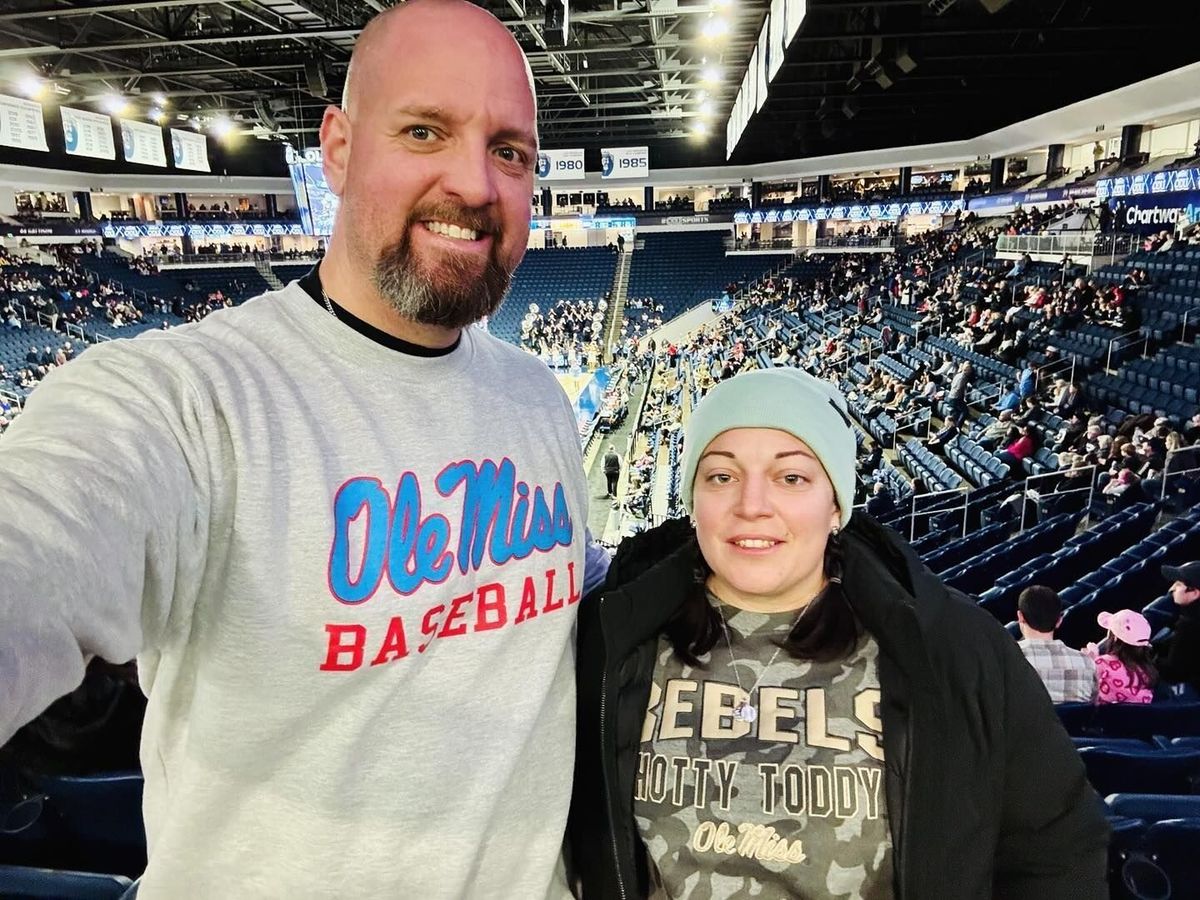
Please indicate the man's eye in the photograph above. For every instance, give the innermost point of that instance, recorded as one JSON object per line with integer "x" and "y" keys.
{"x": 420, "y": 132}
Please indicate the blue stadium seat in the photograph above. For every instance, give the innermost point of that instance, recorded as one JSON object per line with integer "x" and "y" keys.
{"x": 1154, "y": 771}
{"x": 1131, "y": 719}
{"x": 1172, "y": 846}
{"x": 21, "y": 882}
{"x": 1153, "y": 807}
{"x": 96, "y": 821}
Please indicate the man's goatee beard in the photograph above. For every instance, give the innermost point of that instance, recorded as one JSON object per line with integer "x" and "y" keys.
{"x": 454, "y": 297}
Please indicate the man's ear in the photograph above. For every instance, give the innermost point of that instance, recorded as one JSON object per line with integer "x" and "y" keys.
{"x": 335, "y": 148}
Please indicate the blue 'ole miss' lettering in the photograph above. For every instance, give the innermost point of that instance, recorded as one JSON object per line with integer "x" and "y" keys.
{"x": 501, "y": 517}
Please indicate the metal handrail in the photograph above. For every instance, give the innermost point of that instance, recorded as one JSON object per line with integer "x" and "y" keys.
{"x": 1090, "y": 243}
{"x": 1119, "y": 337}
{"x": 912, "y": 527}
{"x": 1168, "y": 474}
{"x": 1091, "y": 488}
{"x": 13, "y": 398}
{"x": 1052, "y": 368}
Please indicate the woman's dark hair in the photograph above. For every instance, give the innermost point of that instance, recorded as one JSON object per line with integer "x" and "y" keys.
{"x": 1138, "y": 660}
{"x": 827, "y": 630}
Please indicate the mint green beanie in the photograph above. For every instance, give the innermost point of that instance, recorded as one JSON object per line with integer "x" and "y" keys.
{"x": 786, "y": 399}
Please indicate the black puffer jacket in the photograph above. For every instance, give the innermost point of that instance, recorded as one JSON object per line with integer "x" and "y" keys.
{"x": 986, "y": 795}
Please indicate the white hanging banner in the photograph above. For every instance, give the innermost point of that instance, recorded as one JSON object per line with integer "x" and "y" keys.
{"x": 625, "y": 162}
{"x": 21, "y": 124}
{"x": 560, "y": 165}
{"x": 143, "y": 143}
{"x": 88, "y": 133}
{"x": 190, "y": 150}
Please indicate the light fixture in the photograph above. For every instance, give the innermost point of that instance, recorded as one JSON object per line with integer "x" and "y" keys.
{"x": 710, "y": 75}
{"x": 706, "y": 108}
{"x": 157, "y": 115}
{"x": 221, "y": 127}
{"x": 700, "y": 128}
{"x": 723, "y": 4}
{"x": 158, "y": 99}
{"x": 113, "y": 104}
{"x": 714, "y": 29}
{"x": 31, "y": 86}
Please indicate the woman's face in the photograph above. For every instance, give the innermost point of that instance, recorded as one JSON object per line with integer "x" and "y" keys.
{"x": 764, "y": 508}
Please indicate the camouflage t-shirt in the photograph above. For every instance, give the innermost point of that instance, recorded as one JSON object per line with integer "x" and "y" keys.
{"x": 791, "y": 804}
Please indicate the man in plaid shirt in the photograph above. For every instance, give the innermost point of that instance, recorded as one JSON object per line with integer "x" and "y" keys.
{"x": 1069, "y": 676}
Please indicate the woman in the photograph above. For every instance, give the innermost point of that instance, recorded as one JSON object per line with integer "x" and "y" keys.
{"x": 1020, "y": 449}
{"x": 1125, "y": 671}
{"x": 782, "y": 702}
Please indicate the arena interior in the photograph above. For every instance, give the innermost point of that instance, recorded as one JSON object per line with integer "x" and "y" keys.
{"x": 980, "y": 219}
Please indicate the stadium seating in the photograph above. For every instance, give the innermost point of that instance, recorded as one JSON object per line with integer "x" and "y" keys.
{"x": 547, "y": 276}
{"x": 25, "y": 883}
{"x": 681, "y": 269}
{"x": 1136, "y": 720}
{"x": 1151, "y": 771}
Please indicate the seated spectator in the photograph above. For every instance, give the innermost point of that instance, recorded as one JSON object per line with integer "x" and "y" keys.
{"x": 870, "y": 461}
{"x": 881, "y": 503}
{"x": 997, "y": 431}
{"x": 1125, "y": 671}
{"x": 1009, "y": 400}
{"x": 1125, "y": 490}
{"x": 948, "y": 432}
{"x": 1179, "y": 654}
{"x": 1069, "y": 676}
{"x": 1020, "y": 449}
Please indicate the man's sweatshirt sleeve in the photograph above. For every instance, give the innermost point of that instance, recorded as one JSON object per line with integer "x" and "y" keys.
{"x": 103, "y": 520}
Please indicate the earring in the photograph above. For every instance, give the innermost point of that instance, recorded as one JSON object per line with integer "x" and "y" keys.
{"x": 835, "y": 531}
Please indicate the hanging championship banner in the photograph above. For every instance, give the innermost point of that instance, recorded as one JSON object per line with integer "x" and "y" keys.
{"x": 143, "y": 143}
{"x": 560, "y": 165}
{"x": 190, "y": 150}
{"x": 88, "y": 133}
{"x": 625, "y": 162}
{"x": 21, "y": 124}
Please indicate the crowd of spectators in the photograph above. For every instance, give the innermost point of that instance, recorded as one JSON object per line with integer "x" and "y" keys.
{"x": 568, "y": 335}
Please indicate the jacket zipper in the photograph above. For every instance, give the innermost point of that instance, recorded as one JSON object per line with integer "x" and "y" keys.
{"x": 906, "y": 795}
{"x": 612, "y": 824}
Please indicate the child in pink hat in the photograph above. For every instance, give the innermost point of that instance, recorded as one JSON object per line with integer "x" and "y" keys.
{"x": 1125, "y": 671}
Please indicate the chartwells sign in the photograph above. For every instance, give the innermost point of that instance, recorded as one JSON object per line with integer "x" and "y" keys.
{"x": 1152, "y": 213}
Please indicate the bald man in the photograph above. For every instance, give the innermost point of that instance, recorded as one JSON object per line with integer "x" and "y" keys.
{"x": 342, "y": 531}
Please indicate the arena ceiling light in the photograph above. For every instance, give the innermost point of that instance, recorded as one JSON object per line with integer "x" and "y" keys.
{"x": 715, "y": 28}
{"x": 157, "y": 115}
{"x": 158, "y": 99}
{"x": 700, "y": 128}
{"x": 710, "y": 75}
{"x": 114, "y": 104}
{"x": 221, "y": 127}
{"x": 31, "y": 86}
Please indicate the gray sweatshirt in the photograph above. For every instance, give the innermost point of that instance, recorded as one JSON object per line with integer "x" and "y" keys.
{"x": 350, "y": 576}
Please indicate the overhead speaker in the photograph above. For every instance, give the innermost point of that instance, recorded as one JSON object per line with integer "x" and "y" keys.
{"x": 904, "y": 62}
{"x": 556, "y": 25}
{"x": 265, "y": 114}
{"x": 314, "y": 77}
